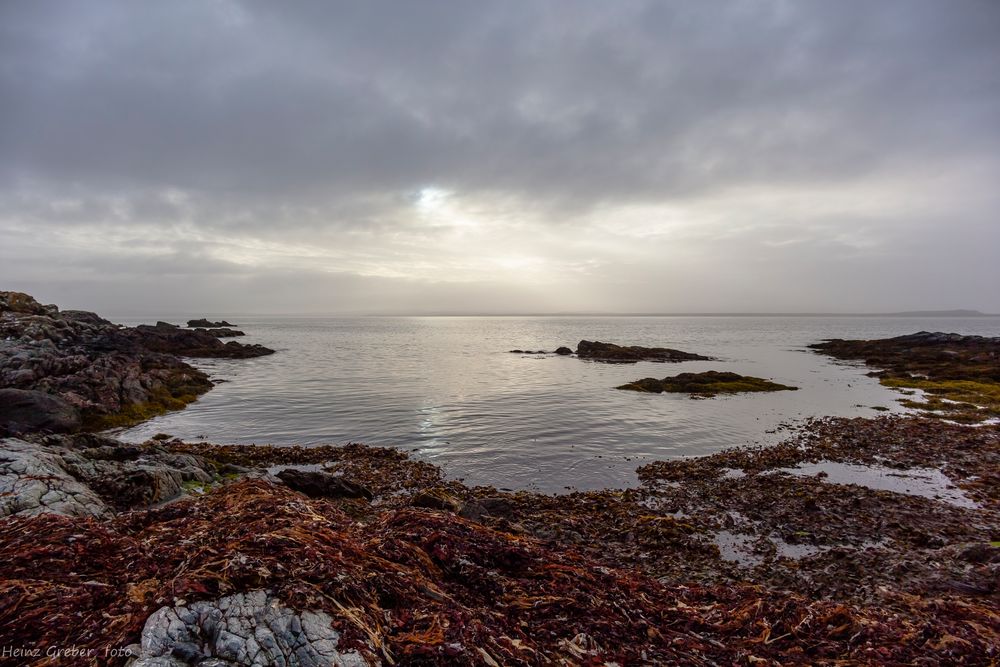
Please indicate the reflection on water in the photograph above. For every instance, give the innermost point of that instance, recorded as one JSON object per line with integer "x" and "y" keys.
{"x": 448, "y": 388}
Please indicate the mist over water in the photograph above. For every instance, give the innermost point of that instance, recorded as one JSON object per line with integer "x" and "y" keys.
{"x": 448, "y": 389}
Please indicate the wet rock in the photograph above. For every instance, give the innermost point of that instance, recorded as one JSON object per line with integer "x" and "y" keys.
{"x": 563, "y": 351}
{"x": 251, "y": 628}
{"x": 194, "y": 343}
{"x": 609, "y": 352}
{"x": 27, "y": 411}
{"x": 317, "y": 484}
{"x": 224, "y": 332}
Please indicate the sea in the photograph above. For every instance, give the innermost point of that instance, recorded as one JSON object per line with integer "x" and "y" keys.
{"x": 449, "y": 391}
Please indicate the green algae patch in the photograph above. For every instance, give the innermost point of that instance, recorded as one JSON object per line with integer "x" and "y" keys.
{"x": 161, "y": 401}
{"x": 707, "y": 384}
{"x": 964, "y": 401}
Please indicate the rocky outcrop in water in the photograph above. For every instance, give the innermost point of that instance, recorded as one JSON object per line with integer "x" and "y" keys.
{"x": 705, "y": 385}
{"x": 63, "y": 370}
{"x": 224, "y": 333}
{"x": 630, "y": 354}
{"x": 208, "y": 324}
{"x": 959, "y": 375}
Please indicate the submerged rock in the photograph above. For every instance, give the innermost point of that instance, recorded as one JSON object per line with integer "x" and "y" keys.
{"x": 609, "y": 352}
{"x": 705, "y": 384}
{"x": 252, "y": 628}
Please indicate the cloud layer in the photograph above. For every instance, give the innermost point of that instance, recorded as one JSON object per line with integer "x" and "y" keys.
{"x": 505, "y": 157}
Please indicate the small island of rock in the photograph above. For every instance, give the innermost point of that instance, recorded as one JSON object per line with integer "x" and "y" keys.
{"x": 705, "y": 385}
{"x": 611, "y": 353}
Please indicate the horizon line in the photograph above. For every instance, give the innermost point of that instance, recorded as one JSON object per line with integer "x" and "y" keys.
{"x": 956, "y": 313}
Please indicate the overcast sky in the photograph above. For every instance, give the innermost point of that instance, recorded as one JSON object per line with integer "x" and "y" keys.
{"x": 501, "y": 156}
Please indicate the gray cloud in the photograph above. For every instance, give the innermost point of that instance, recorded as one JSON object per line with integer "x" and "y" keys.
{"x": 439, "y": 155}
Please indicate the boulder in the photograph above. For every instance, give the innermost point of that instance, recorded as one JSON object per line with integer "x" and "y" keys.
{"x": 34, "y": 480}
{"x": 252, "y": 628}
{"x": 87, "y": 475}
{"x": 563, "y": 350}
{"x": 26, "y": 411}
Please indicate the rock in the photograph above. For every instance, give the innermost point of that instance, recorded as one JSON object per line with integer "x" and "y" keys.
{"x": 107, "y": 374}
{"x": 437, "y": 499}
{"x": 26, "y": 411}
{"x": 496, "y": 506}
{"x": 34, "y": 480}
{"x": 224, "y": 333}
{"x": 609, "y": 352}
{"x": 194, "y": 343}
{"x": 250, "y": 628}
{"x": 207, "y": 324}
{"x": 563, "y": 350}
{"x": 317, "y": 484}
{"x": 84, "y": 475}
{"x": 19, "y": 302}
{"x": 142, "y": 486}
{"x": 705, "y": 384}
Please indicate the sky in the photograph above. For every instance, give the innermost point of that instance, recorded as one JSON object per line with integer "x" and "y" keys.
{"x": 501, "y": 157}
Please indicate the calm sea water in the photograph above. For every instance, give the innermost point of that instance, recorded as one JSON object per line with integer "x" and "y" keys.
{"x": 448, "y": 389}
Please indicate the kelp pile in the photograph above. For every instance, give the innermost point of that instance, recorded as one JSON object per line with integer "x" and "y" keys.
{"x": 431, "y": 572}
{"x": 960, "y": 374}
{"x": 424, "y": 587}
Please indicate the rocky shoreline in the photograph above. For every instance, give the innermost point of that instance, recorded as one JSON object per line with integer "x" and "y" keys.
{"x": 855, "y": 541}
{"x": 66, "y": 371}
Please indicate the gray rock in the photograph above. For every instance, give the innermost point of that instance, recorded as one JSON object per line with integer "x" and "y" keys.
{"x": 34, "y": 480}
{"x": 86, "y": 475}
{"x": 27, "y": 411}
{"x": 251, "y": 628}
